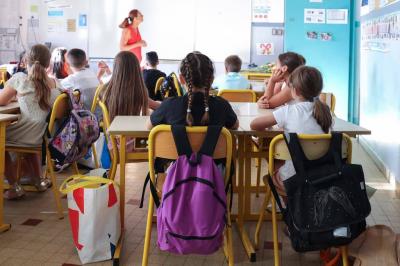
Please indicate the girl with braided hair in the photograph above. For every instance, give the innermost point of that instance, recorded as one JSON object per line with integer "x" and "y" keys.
{"x": 196, "y": 108}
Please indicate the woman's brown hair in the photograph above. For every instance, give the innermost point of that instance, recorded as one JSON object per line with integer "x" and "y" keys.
{"x": 291, "y": 60}
{"x": 198, "y": 71}
{"x": 38, "y": 59}
{"x": 126, "y": 93}
{"x": 307, "y": 81}
{"x": 128, "y": 20}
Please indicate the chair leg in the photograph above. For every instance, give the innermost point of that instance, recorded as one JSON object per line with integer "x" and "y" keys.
{"x": 275, "y": 233}
{"x": 345, "y": 259}
{"x": 96, "y": 163}
{"x": 75, "y": 165}
{"x": 260, "y": 147}
{"x": 229, "y": 244}
{"x": 261, "y": 219}
{"x": 19, "y": 163}
{"x": 147, "y": 237}
{"x": 50, "y": 172}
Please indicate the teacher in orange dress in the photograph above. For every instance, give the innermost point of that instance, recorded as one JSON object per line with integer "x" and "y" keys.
{"x": 131, "y": 39}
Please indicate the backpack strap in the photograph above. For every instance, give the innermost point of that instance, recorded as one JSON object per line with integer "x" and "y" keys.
{"x": 153, "y": 192}
{"x": 335, "y": 149}
{"x": 296, "y": 152}
{"x": 181, "y": 139}
{"x": 210, "y": 141}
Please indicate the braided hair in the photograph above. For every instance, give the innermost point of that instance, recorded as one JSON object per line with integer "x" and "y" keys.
{"x": 198, "y": 72}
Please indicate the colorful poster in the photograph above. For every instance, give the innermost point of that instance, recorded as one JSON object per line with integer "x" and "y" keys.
{"x": 314, "y": 16}
{"x": 82, "y": 20}
{"x": 71, "y": 25}
{"x": 265, "y": 48}
{"x": 271, "y": 11}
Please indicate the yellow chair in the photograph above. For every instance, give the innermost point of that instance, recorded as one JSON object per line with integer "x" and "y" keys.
{"x": 330, "y": 100}
{"x": 159, "y": 82}
{"x": 177, "y": 84}
{"x": 314, "y": 146}
{"x": 95, "y": 102}
{"x": 245, "y": 95}
{"x": 161, "y": 144}
{"x": 59, "y": 110}
{"x": 3, "y": 75}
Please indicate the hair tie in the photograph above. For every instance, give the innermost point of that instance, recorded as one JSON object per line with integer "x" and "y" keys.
{"x": 188, "y": 110}
{"x": 36, "y": 62}
{"x": 207, "y": 109}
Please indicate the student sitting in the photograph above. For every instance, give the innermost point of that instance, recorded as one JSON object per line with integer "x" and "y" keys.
{"x": 82, "y": 78}
{"x": 59, "y": 67}
{"x": 103, "y": 73}
{"x": 195, "y": 108}
{"x": 151, "y": 74}
{"x": 308, "y": 115}
{"x": 21, "y": 66}
{"x": 36, "y": 93}
{"x": 232, "y": 79}
{"x": 125, "y": 93}
{"x": 277, "y": 92}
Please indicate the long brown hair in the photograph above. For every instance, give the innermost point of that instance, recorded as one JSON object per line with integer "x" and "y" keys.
{"x": 126, "y": 93}
{"x": 307, "y": 81}
{"x": 38, "y": 59}
{"x": 291, "y": 60}
{"x": 198, "y": 71}
{"x": 129, "y": 20}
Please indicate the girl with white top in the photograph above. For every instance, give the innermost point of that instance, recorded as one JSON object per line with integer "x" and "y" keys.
{"x": 277, "y": 92}
{"x": 307, "y": 115}
{"x": 35, "y": 93}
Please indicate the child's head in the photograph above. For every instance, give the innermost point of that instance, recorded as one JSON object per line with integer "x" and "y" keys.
{"x": 38, "y": 60}
{"x": 126, "y": 93}
{"x": 233, "y": 63}
{"x": 76, "y": 59}
{"x": 134, "y": 17}
{"x": 59, "y": 66}
{"x": 197, "y": 72}
{"x": 306, "y": 83}
{"x": 151, "y": 59}
{"x": 289, "y": 61}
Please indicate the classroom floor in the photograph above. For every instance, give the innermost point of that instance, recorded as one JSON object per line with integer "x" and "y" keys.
{"x": 37, "y": 237}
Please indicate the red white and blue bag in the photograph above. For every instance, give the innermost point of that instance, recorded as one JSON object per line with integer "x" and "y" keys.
{"x": 75, "y": 136}
{"x": 94, "y": 214}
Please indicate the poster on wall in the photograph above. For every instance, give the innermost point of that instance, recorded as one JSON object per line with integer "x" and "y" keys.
{"x": 314, "y": 16}
{"x": 336, "y": 16}
{"x": 265, "y": 48}
{"x": 271, "y": 11}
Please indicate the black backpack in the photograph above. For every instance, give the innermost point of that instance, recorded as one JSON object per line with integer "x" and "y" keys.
{"x": 168, "y": 86}
{"x": 327, "y": 200}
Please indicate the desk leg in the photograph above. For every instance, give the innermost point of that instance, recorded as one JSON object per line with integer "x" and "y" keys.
{"x": 241, "y": 201}
{"x": 122, "y": 162}
{"x": 247, "y": 177}
{"x": 3, "y": 227}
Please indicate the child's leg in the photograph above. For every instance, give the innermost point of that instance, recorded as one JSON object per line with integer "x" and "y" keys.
{"x": 10, "y": 170}
{"x": 32, "y": 166}
{"x": 276, "y": 179}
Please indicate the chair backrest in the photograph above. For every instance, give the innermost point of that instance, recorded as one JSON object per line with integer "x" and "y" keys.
{"x": 162, "y": 144}
{"x": 60, "y": 109}
{"x": 3, "y": 75}
{"x": 314, "y": 147}
{"x": 177, "y": 85}
{"x": 244, "y": 95}
{"x": 330, "y": 100}
{"x": 160, "y": 80}
{"x": 96, "y": 97}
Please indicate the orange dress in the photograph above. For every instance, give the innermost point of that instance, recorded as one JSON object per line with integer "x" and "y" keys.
{"x": 135, "y": 37}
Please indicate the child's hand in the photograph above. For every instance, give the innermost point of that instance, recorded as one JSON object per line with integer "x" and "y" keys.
{"x": 277, "y": 75}
{"x": 263, "y": 103}
{"x": 143, "y": 43}
{"x": 102, "y": 64}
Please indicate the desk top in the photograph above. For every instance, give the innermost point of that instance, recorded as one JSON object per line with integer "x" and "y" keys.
{"x": 10, "y": 108}
{"x": 7, "y": 117}
{"x": 248, "y": 109}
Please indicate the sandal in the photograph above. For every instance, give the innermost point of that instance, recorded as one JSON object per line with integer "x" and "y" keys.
{"x": 42, "y": 184}
{"x": 16, "y": 192}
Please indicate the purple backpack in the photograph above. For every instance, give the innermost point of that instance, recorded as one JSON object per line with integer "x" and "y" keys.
{"x": 75, "y": 136}
{"x": 191, "y": 217}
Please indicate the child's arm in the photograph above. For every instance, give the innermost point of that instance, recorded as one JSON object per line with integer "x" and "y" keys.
{"x": 273, "y": 83}
{"x": 154, "y": 104}
{"x": 149, "y": 125}
{"x": 236, "y": 125}
{"x": 280, "y": 98}
{"x": 263, "y": 122}
{"x": 7, "y": 95}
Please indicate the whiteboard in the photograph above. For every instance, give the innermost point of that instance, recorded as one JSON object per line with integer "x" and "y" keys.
{"x": 174, "y": 28}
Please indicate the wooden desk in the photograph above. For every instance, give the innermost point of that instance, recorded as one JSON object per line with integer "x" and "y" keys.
{"x": 253, "y": 75}
{"x": 12, "y": 108}
{"x": 135, "y": 126}
{"x": 5, "y": 119}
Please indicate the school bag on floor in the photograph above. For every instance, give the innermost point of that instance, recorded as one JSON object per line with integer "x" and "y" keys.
{"x": 191, "y": 214}
{"x": 327, "y": 200}
{"x": 94, "y": 216}
{"x": 76, "y": 134}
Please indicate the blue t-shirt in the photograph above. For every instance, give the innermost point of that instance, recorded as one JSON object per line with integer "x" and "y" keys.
{"x": 231, "y": 81}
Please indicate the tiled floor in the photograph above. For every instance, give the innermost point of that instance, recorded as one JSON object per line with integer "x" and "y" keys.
{"x": 37, "y": 237}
